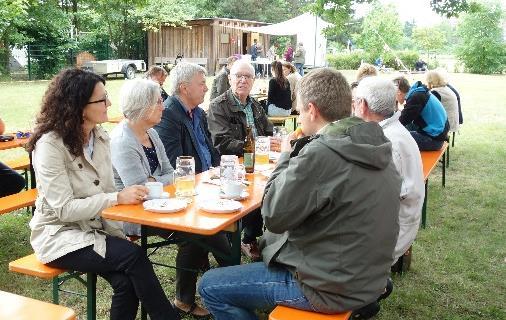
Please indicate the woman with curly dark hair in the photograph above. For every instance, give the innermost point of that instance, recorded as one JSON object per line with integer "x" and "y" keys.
{"x": 72, "y": 163}
{"x": 279, "y": 101}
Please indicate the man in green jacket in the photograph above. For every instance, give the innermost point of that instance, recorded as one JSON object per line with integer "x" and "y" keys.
{"x": 331, "y": 210}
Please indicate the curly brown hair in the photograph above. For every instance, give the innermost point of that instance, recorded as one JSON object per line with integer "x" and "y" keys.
{"x": 62, "y": 108}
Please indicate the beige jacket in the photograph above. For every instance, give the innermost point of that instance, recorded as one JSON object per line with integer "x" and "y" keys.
{"x": 72, "y": 194}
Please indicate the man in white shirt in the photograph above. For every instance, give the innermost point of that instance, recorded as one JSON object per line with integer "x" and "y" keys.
{"x": 375, "y": 100}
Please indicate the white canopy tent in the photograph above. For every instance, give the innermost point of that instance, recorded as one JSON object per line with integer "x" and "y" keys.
{"x": 309, "y": 31}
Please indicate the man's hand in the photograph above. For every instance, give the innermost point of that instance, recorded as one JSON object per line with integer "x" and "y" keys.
{"x": 285, "y": 144}
{"x": 275, "y": 144}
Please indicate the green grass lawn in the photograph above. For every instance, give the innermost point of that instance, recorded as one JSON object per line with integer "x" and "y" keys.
{"x": 459, "y": 261}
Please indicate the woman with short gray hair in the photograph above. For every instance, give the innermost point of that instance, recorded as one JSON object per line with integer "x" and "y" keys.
{"x": 137, "y": 153}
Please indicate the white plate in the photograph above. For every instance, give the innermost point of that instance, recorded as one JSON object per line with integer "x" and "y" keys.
{"x": 220, "y": 205}
{"x": 242, "y": 196}
{"x": 165, "y": 205}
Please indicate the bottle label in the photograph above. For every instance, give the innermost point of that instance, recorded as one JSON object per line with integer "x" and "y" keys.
{"x": 248, "y": 160}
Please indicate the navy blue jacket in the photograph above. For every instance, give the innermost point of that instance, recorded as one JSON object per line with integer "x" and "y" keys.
{"x": 426, "y": 112}
{"x": 175, "y": 131}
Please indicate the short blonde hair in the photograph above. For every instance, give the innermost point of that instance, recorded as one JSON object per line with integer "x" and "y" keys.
{"x": 328, "y": 90}
{"x": 366, "y": 70}
{"x": 435, "y": 79}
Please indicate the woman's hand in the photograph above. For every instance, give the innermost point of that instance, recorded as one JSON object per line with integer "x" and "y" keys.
{"x": 132, "y": 194}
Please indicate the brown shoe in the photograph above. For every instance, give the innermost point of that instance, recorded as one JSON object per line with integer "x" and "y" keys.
{"x": 251, "y": 250}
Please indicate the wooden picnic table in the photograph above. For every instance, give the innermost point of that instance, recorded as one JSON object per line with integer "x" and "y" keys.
{"x": 16, "y": 143}
{"x": 115, "y": 119}
{"x": 282, "y": 120}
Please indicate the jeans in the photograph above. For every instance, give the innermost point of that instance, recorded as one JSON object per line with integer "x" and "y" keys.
{"x": 12, "y": 182}
{"x": 235, "y": 292}
{"x": 275, "y": 111}
{"x": 131, "y": 275}
{"x": 426, "y": 143}
{"x": 300, "y": 68}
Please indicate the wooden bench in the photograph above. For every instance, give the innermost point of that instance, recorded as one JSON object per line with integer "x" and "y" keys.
{"x": 18, "y": 200}
{"x": 286, "y": 313}
{"x": 23, "y": 308}
{"x": 29, "y": 265}
{"x": 429, "y": 161}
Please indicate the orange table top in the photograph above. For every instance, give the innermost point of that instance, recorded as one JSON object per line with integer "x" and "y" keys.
{"x": 115, "y": 119}
{"x": 192, "y": 219}
{"x": 13, "y": 144}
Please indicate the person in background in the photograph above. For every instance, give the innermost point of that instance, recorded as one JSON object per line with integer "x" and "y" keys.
{"x": 11, "y": 182}
{"x": 137, "y": 153}
{"x": 402, "y": 86}
{"x": 72, "y": 163}
{"x": 366, "y": 70}
{"x": 289, "y": 53}
{"x": 438, "y": 87}
{"x": 279, "y": 102}
{"x": 420, "y": 65}
{"x": 293, "y": 78}
{"x": 229, "y": 115}
{"x": 376, "y": 101}
{"x": 299, "y": 58}
{"x": 328, "y": 250}
{"x": 423, "y": 115}
{"x": 254, "y": 54}
{"x": 158, "y": 75}
{"x": 220, "y": 82}
{"x": 184, "y": 131}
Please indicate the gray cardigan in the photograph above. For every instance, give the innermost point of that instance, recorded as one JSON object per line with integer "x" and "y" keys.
{"x": 131, "y": 166}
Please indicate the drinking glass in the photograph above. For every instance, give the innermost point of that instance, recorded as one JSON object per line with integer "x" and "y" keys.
{"x": 184, "y": 177}
{"x": 228, "y": 169}
{"x": 262, "y": 148}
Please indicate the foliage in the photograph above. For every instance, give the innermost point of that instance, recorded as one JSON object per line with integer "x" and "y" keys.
{"x": 10, "y": 13}
{"x": 429, "y": 39}
{"x": 159, "y": 13}
{"x": 483, "y": 49}
{"x": 449, "y": 8}
{"x": 382, "y": 26}
{"x": 351, "y": 61}
{"x": 338, "y": 12}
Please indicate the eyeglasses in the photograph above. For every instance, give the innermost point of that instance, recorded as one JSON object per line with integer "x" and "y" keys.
{"x": 21, "y": 134}
{"x": 243, "y": 76}
{"x": 101, "y": 100}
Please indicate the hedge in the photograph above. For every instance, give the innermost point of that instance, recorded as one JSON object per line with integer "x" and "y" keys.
{"x": 351, "y": 61}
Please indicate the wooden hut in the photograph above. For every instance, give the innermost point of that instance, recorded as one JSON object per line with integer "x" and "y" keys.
{"x": 204, "y": 41}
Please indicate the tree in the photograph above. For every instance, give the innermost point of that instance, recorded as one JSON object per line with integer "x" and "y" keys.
{"x": 381, "y": 27}
{"x": 11, "y": 12}
{"x": 483, "y": 49}
{"x": 429, "y": 39}
{"x": 449, "y": 8}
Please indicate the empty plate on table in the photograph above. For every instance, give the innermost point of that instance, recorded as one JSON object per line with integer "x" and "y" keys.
{"x": 165, "y": 205}
{"x": 242, "y": 196}
{"x": 220, "y": 205}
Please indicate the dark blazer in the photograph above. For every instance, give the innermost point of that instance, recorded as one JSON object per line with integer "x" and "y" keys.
{"x": 175, "y": 131}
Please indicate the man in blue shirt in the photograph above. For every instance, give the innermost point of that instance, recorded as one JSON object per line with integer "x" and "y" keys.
{"x": 183, "y": 131}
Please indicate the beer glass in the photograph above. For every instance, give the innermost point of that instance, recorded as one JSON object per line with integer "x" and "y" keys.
{"x": 262, "y": 148}
{"x": 184, "y": 177}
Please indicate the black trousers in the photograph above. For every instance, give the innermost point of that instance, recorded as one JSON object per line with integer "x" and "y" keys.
{"x": 253, "y": 226}
{"x": 130, "y": 274}
{"x": 195, "y": 257}
{"x": 11, "y": 182}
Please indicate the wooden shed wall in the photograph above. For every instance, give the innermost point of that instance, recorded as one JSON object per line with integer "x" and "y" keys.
{"x": 203, "y": 40}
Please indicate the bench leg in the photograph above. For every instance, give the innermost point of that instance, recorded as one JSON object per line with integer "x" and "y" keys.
{"x": 447, "y": 152}
{"x": 424, "y": 206}
{"x": 91, "y": 296}
{"x": 56, "y": 291}
{"x": 453, "y": 139}
{"x": 444, "y": 168}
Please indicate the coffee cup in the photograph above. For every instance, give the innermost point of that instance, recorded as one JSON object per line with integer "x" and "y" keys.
{"x": 155, "y": 189}
{"x": 233, "y": 189}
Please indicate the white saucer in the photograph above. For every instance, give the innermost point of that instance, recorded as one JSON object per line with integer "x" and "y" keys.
{"x": 220, "y": 205}
{"x": 242, "y": 196}
{"x": 165, "y": 205}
